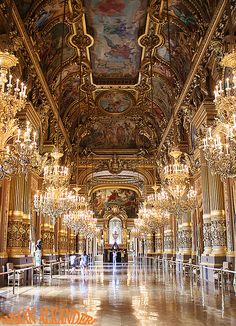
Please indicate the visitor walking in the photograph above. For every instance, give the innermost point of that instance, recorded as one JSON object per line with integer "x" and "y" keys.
{"x": 83, "y": 262}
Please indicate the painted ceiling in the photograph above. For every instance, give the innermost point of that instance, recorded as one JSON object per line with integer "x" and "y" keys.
{"x": 106, "y": 95}
{"x": 115, "y": 27}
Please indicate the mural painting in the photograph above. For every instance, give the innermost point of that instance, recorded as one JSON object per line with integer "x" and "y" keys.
{"x": 51, "y": 10}
{"x": 50, "y": 57}
{"x": 115, "y": 26}
{"x": 125, "y": 198}
{"x": 70, "y": 92}
{"x": 123, "y": 134}
{"x": 115, "y": 101}
{"x": 181, "y": 12}
{"x": 162, "y": 95}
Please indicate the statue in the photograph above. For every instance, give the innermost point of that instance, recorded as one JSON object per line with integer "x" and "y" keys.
{"x": 38, "y": 255}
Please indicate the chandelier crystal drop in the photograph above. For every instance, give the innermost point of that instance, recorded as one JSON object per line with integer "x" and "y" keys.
{"x": 219, "y": 143}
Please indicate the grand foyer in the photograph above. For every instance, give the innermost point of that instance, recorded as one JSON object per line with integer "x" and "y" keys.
{"x": 117, "y": 135}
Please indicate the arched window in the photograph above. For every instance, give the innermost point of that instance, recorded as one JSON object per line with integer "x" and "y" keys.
{"x": 115, "y": 231}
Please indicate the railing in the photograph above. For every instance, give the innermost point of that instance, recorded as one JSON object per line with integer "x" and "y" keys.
{"x": 39, "y": 269}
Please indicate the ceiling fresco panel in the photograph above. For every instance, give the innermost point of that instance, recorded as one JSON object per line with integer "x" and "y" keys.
{"x": 115, "y": 26}
{"x": 109, "y": 133}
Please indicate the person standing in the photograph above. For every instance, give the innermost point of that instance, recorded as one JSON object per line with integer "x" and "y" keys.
{"x": 83, "y": 262}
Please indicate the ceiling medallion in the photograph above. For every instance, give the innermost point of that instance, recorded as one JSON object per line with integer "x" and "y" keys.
{"x": 115, "y": 101}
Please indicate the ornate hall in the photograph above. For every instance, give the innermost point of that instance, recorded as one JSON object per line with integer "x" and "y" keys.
{"x": 118, "y": 162}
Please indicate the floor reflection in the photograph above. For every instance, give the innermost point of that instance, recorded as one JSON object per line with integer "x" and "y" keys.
{"x": 129, "y": 295}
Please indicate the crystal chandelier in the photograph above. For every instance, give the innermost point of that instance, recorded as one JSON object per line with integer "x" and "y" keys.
{"x": 21, "y": 155}
{"x": 52, "y": 203}
{"x": 12, "y": 97}
{"x": 81, "y": 221}
{"x": 56, "y": 176}
{"x": 219, "y": 143}
{"x": 175, "y": 176}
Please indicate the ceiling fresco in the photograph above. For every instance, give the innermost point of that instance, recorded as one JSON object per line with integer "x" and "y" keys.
{"x": 115, "y": 81}
{"x": 115, "y": 27}
{"x": 115, "y": 101}
{"x": 110, "y": 133}
{"x": 124, "y": 198}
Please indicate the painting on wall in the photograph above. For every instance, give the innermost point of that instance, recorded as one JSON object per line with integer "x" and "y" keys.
{"x": 115, "y": 101}
{"x": 115, "y": 27}
{"x": 110, "y": 133}
{"x": 125, "y": 198}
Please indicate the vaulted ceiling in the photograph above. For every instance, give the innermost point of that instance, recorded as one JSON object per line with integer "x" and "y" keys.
{"x": 119, "y": 76}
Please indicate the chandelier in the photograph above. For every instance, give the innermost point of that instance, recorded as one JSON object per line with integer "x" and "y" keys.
{"x": 12, "y": 97}
{"x": 20, "y": 155}
{"x": 219, "y": 143}
{"x": 81, "y": 221}
{"x": 53, "y": 203}
{"x": 56, "y": 176}
{"x": 175, "y": 176}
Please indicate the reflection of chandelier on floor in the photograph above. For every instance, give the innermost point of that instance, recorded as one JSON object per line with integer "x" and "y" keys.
{"x": 219, "y": 144}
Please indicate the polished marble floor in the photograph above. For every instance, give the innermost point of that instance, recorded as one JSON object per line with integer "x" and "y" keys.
{"x": 128, "y": 295}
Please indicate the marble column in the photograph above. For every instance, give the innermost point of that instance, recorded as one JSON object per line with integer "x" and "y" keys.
{"x": 47, "y": 237}
{"x": 81, "y": 243}
{"x": 206, "y": 210}
{"x": 4, "y": 208}
{"x": 169, "y": 240}
{"x": 159, "y": 242}
{"x": 229, "y": 196}
{"x": 186, "y": 237}
{"x": 150, "y": 243}
{"x": 218, "y": 227}
{"x": 71, "y": 242}
{"x": 62, "y": 239}
{"x": 18, "y": 236}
